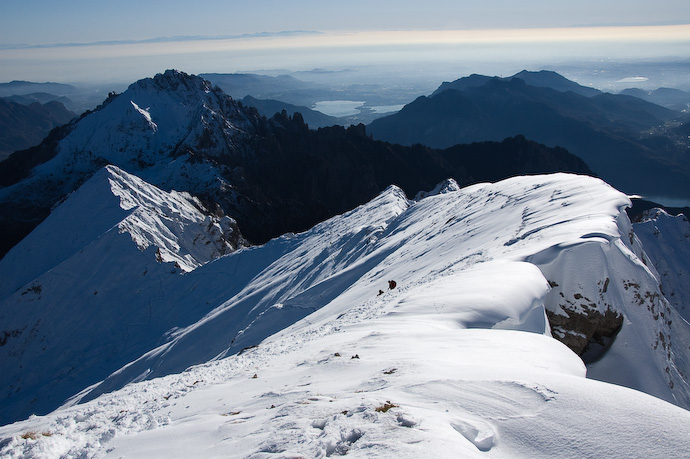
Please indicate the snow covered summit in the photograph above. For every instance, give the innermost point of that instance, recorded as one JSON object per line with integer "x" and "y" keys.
{"x": 300, "y": 347}
{"x": 173, "y": 130}
{"x": 155, "y": 128}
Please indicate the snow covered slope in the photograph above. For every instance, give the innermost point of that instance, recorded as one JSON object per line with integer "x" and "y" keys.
{"x": 172, "y": 115}
{"x": 302, "y": 349}
{"x": 666, "y": 240}
{"x": 71, "y": 298}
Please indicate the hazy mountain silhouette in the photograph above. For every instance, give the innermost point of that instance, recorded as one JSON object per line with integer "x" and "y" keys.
{"x": 283, "y": 87}
{"x": 674, "y": 99}
{"x": 25, "y": 125}
{"x": 272, "y": 175}
{"x": 542, "y": 78}
{"x": 29, "y": 87}
{"x": 625, "y": 140}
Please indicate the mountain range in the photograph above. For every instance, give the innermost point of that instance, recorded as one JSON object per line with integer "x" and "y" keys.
{"x": 540, "y": 79}
{"x": 635, "y": 145}
{"x": 269, "y": 107}
{"x": 200, "y": 280}
{"x": 304, "y": 92}
{"x": 272, "y": 176}
{"x": 22, "y": 88}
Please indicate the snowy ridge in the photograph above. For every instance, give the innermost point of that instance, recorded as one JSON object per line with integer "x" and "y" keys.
{"x": 80, "y": 306}
{"x": 171, "y": 222}
{"x": 269, "y": 288}
{"x": 456, "y": 358}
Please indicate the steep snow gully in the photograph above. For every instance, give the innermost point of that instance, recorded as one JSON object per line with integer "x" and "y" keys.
{"x": 300, "y": 348}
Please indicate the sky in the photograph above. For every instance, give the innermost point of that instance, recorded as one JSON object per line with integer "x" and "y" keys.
{"x": 78, "y": 40}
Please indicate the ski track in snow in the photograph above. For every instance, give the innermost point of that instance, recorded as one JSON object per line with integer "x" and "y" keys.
{"x": 455, "y": 361}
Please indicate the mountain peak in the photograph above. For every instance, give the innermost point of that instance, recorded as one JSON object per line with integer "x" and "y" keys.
{"x": 553, "y": 80}
{"x": 175, "y": 80}
{"x": 159, "y": 128}
{"x": 542, "y": 78}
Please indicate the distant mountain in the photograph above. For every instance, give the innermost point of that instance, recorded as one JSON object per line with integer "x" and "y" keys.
{"x": 372, "y": 100}
{"x": 269, "y": 107}
{"x": 461, "y": 84}
{"x": 553, "y": 80}
{"x": 25, "y": 125}
{"x": 542, "y": 79}
{"x": 123, "y": 285}
{"x": 627, "y": 141}
{"x": 674, "y": 99}
{"x": 271, "y": 175}
{"x": 283, "y": 87}
{"x": 40, "y": 97}
{"x": 29, "y": 87}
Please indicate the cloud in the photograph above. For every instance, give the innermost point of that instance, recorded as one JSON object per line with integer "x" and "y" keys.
{"x": 636, "y": 79}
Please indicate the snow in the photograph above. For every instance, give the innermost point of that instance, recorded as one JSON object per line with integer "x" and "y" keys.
{"x": 666, "y": 240}
{"x": 289, "y": 349}
{"x": 125, "y": 134}
{"x": 172, "y": 222}
{"x": 92, "y": 294}
{"x": 145, "y": 113}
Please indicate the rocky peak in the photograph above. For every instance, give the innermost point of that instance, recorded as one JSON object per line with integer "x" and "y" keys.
{"x": 174, "y": 79}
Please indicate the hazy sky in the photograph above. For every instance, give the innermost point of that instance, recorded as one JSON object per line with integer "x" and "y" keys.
{"x": 353, "y": 32}
{"x": 65, "y": 21}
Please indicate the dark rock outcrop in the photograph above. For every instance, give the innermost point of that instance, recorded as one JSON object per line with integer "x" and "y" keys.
{"x": 588, "y": 334}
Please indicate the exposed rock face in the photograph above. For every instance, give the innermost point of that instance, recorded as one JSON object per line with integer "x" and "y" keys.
{"x": 587, "y": 333}
{"x": 580, "y": 304}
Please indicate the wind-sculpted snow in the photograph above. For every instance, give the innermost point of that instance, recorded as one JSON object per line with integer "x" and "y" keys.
{"x": 172, "y": 222}
{"x": 302, "y": 349}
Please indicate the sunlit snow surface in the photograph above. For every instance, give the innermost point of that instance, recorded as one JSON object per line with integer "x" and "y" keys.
{"x": 456, "y": 361}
